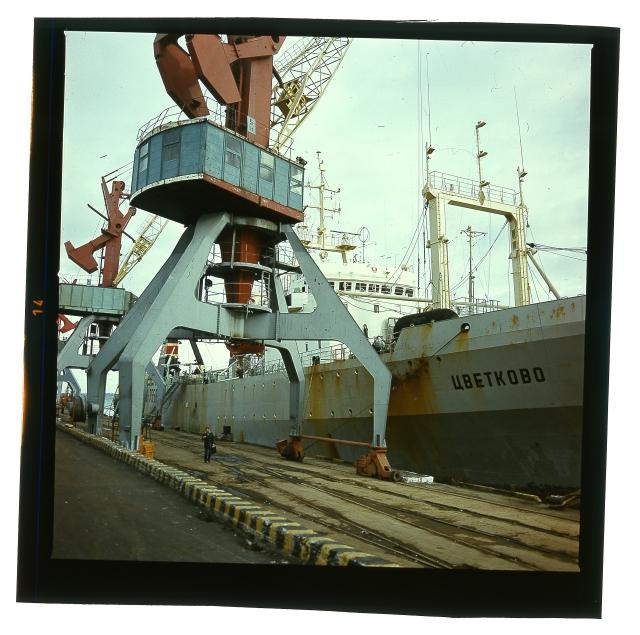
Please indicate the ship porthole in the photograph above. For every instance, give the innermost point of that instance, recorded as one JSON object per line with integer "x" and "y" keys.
{"x": 333, "y": 414}
{"x": 350, "y": 412}
{"x": 370, "y": 411}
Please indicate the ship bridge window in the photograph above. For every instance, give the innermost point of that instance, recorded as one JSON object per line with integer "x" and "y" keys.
{"x": 399, "y": 291}
{"x": 361, "y": 286}
{"x": 344, "y": 286}
{"x": 408, "y": 292}
{"x": 331, "y": 284}
{"x": 386, "y": 289}
{"x": 374, "y": 288}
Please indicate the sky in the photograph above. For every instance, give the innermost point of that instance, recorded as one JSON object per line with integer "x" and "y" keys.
{"x": 385, "y": 102}
{"x": 618, "y": 595}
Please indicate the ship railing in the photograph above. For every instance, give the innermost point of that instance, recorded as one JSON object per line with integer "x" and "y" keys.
{"x": 256, "y": 366}
{"x": 340, "y": 352}
{"x": 331, "y": 239}
{"x": 471, "y": 189}
{"x": 82, "y": 279}
{"x": 217, "y": 115}
{"x": 464, "y": 307}
{"x": 264, "y": 367}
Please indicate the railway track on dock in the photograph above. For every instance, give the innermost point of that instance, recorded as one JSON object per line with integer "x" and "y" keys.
{"x": 434, "y": 526}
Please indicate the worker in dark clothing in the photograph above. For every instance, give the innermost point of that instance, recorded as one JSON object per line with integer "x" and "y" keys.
{"x": 209, "y": 445}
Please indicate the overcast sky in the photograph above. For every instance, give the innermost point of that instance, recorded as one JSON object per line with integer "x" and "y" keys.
{"x": 371, "y": 131}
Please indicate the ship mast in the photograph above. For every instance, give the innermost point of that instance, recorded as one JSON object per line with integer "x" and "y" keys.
{"x": 325, "y": 240}
{"x": 471, "y": 234}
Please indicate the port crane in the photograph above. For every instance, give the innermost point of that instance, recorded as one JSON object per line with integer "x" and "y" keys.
{"x": 238, "y": 72}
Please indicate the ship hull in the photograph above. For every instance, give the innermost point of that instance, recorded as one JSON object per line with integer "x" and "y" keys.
{"x": 499, "y": 403}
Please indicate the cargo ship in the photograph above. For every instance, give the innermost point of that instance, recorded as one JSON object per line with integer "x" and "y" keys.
{"x": 481, "y": 392}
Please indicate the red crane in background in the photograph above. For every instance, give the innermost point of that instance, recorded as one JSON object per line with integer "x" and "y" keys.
{"x": 110, "y": 241}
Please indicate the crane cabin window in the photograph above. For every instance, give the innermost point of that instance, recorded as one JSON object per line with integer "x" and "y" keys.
{"x": 266, "y": 166}
{"x": 233, "y": 151}
{"x": 295, "y": 181}
{"x": 144, "y": 157}
{"x": 171, "y": 145}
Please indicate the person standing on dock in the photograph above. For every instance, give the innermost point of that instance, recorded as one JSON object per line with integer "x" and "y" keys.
{"x": 209, "y": 446}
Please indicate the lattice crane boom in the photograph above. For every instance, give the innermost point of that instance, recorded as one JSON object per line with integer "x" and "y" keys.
{"x": 303, "y": 73}
{"x": 147, "y": 237}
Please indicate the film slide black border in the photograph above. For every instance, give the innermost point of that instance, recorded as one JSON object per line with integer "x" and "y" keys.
{"x": 404, "y": 591}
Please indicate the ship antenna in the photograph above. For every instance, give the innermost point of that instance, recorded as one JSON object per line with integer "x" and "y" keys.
{"x": 521, "y": 171}
{"x": 429, "y": 149}
{"x": 515, "y": 95}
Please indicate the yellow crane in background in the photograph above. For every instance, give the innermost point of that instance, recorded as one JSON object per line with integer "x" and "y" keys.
{"x": 141, "y": 245}
{"x": 303, "y": 72}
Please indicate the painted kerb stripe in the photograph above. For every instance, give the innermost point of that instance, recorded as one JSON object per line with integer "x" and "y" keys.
{"x": 305, "y": 545}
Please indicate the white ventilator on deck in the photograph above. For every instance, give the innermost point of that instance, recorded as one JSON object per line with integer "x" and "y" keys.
{"x": 442, "y": 190}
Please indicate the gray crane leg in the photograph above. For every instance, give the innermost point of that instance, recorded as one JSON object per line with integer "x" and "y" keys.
{"x": 174, "y": 305}
{"x": 292, "y": 363}
{"x": 69, "y": 357}
{"x": 106, "y": 359}
{"x": 339, "y": 325}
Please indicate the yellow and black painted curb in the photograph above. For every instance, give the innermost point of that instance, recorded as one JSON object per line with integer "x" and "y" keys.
{"x": 305, "y": 545}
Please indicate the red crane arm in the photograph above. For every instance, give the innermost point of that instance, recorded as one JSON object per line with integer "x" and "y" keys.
{"x": 110, "y": 239}
{"x": 238, "y": 74}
